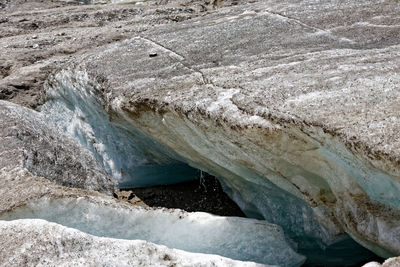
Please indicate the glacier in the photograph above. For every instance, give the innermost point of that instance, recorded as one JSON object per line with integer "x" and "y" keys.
{"x": 236, "y": 238}
{"x": 293, "y": 105}
{"x": 315, "y": 218}
{"x": 75, "y": 105}
{"x": 295, "y": 135}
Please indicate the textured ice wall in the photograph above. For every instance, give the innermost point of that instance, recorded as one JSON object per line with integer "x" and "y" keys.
{"x": 28, "y": 141}
{"x": 288, "y": 178}
{"x": 209, "y": 149}
{"x": 75, "y": 105}
{"x": 232, "y": 237}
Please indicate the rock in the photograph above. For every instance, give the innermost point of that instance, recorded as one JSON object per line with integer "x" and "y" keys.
{"x": 298, "y": 116}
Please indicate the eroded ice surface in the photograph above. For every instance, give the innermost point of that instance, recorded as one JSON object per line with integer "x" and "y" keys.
{"x": 127, "y": 154}
{"x": 232, "y": 237}
{"x": 41, "y": 243}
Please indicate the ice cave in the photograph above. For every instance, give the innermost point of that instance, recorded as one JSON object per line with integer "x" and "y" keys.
{"x": 136, "y": 160}
{"x": 291, "y": 108}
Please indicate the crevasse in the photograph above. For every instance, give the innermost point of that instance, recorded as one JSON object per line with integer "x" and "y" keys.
{"x": 301, "y": 183}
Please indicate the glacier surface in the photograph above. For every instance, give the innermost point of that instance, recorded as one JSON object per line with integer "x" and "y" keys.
{"x": 295, "y": 103}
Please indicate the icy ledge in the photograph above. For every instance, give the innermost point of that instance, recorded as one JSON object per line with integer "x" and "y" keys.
{"x": 48, "y": 244}
{"x": 235, "y": 238}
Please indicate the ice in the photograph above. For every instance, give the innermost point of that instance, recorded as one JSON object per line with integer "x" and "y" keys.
{"x": 236, "y": 238}
{"x": 41, "y": 243}
{"x": 286, "y": 181}
{"x": 75, "y": 105}
{"x": 273, "y": 177}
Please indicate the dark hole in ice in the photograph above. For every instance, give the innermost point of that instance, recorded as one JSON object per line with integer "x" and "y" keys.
{"x": 346, "y": 253}
{"x": 85, "y": 2}
{"x": 204, "y": 195}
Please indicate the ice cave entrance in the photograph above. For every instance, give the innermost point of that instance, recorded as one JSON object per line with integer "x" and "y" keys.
{"x": 135, "y": 160}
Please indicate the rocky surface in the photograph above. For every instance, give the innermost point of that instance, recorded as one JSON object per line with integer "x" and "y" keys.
{"x": 293, "y": 105}
{"x": 205, "y": 195}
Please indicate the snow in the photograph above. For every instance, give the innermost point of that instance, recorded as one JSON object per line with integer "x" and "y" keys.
{"x": 236, "y": 238}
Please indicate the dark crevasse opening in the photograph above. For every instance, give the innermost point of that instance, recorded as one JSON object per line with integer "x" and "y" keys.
{"x": 204, "y": 194}
{"x": 85, "y": 2}
{"x": 344, "y": 253}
